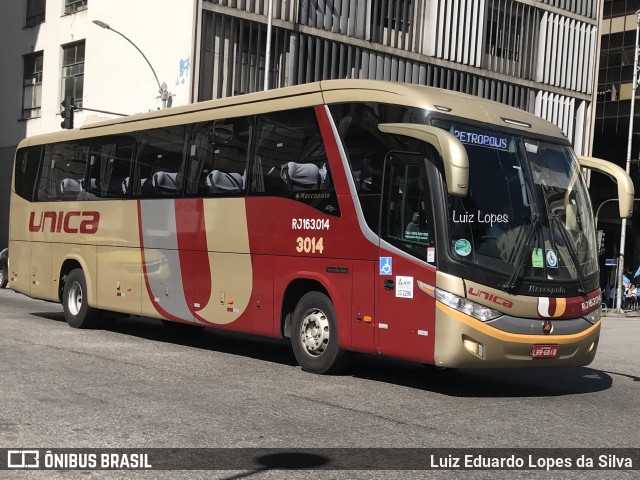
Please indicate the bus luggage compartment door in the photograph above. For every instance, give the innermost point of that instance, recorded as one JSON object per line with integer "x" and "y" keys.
{"x": 405, "y": 314}
{"x": 363, "y": 305}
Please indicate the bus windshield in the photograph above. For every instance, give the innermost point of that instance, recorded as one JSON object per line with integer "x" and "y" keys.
{"x": 528, "y": 213}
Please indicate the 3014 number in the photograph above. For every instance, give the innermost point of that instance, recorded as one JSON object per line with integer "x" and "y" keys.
{"x": 309, "y": 245}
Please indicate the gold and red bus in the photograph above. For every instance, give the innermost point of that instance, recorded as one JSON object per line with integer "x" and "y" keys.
{"x": 346, "y": 215}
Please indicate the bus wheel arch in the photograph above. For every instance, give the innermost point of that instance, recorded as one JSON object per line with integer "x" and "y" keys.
{"x": 313, "y": 329}
{"x": 74, "y": 299}
{"x": 292, "y": 295}
{"x": 67, "y": 267}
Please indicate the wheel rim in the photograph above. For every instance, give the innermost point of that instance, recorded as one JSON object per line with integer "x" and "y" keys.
{"x": 74, "y": 301}
{"x": 1, "y": 277}
{"x": 314, "y": 332}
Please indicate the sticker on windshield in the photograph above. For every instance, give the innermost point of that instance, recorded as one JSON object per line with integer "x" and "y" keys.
{"x": 536, "y": 258}
{"x": 463, "y": 247}
{"x": 552, "y": 259}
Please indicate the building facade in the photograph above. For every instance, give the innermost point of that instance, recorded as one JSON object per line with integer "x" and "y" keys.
{"x": 611, "y": 133}
{"x": 53, "y": 50}
{"x": 537, "y": 55}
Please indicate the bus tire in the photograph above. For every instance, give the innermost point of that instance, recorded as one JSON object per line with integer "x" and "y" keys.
{"x": 314, "y": 335}
{"x": 77, "y": 312}
{"x": 3, "y": 278}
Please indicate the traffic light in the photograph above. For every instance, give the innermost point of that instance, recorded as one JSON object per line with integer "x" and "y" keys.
{"x": 67, "y": 113}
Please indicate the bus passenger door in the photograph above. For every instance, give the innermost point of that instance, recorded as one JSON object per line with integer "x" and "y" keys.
{"x": 405, "y": 313}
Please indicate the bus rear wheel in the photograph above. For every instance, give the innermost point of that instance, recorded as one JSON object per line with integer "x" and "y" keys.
{"x": 314, "y": 335}
{"x": 77, "y": 312}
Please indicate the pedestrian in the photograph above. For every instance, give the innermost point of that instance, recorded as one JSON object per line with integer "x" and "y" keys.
{"x": 627, "y": 298}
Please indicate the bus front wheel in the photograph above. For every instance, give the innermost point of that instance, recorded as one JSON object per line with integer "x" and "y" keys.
{"x": 77, "y": 312}
{"x": 314, "y": 335}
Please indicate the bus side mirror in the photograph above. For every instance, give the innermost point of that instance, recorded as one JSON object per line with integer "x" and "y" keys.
{"x": 453, "y": 153}
{"x": 621, "y": 177}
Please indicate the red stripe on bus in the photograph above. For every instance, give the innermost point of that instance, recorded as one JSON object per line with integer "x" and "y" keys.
{"x": 155, "y": 304}
{"x": 194, "y": 256}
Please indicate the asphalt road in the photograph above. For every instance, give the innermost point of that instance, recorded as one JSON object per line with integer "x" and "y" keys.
{"x": 137, "y": 384}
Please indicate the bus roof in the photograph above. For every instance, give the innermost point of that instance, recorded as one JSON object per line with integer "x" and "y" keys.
{"x": 328, "y": 92}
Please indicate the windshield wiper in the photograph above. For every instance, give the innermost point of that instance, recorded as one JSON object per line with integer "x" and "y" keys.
{"x": 572, "y": 252}
{"x": 534, "y": 226}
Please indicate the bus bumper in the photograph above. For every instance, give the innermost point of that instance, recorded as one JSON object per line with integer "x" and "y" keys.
{"x": 464, "y": 342}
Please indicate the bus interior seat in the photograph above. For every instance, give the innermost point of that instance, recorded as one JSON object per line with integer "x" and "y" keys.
{"x": 325, "y": 177}
{"x": 301, "y": 176}
{"x": 70, "y": 186}
{"x": 357, "y": 175}
{"x": 165, "y": 183}
{"x": 74, "y": 190}
{"x": 414, "y": 225}
{"x": 126, "y": 186}
{"x": 219, "y": 181}
{"x": 93, "y": 184}
{"x": 371, "y": 176}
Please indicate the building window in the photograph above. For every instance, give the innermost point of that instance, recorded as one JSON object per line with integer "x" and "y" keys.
{"x": 503, "y": 33}
{"x": 73, "y": 72}
{"x": 32, "y": 85}
{"x": 390, "y": 14}
{"x": 35, "y": 12}
{"x": 73, "y": 6}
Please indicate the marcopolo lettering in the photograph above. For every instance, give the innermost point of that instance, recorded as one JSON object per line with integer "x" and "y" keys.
{"x": 67, "y": 222}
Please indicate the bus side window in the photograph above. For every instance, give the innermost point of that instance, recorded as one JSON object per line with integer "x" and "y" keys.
{"x": 290, "y": 157}
{"x": 199, "y": 161}
{"x": 63, "y": 172}
{"x": 159, "y": 166}
{"x": 110, "y": 166}
{"x": 27, "y": 166}
{"x": 218, "y": 157}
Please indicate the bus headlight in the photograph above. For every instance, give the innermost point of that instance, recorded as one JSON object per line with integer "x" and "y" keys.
{"x": 466, "y": 306}
{"x": 593, "y": 316}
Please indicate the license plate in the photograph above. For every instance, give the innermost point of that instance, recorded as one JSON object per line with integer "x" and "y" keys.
{"x": 544, "y": 351}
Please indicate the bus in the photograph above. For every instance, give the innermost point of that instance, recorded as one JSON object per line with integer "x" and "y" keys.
{"x": 345, "y": 215}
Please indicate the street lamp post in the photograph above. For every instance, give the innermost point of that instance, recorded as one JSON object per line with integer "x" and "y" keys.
{"x": 623, "y": 230}
{"x": 162, "y": 88}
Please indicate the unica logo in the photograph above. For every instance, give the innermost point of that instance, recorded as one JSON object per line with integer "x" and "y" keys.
{"x": 491, "y": 297}
{"x": 68, "y": 222}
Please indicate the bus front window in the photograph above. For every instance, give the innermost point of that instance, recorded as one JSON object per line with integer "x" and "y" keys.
{"x": 488, "y": 226}
{"x": 527, "y": 214}
{"x": 556, "y": 175}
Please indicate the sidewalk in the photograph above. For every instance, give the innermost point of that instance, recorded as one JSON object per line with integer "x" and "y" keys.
{"x": 627, "y": 313}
